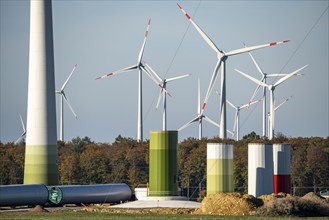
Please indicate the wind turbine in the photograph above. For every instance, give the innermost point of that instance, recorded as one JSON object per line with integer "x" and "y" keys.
{"x": 200, "y": 116}
{"x": 263, "y": 79}
{"x": 141, "y": 68}
{"x": 271, "y": 89}
{"x": 276, "y": 108}
{"x": 24, "y": 131}
{"x": 236, "y": 125}
{"x": 63, "y": 97}
{"x": 222, "y": 57}
{"x": 163, "y": 83}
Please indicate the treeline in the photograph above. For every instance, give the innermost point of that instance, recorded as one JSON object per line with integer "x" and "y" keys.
{"x": 82, "y": 161}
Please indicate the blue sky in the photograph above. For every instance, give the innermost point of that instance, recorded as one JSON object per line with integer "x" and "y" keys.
{"x": 104, "y": 36}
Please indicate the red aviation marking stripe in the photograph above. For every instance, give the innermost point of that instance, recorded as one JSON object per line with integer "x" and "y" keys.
{"x": 98, "y": 78}
{"x": 188, "y": 17}
{"x": 204, "y": 105}
{"x": 110, "y": 74}
{"x": 149, "y": 22}
{"x": 160, "y": 86}
{"x": 146, "y": 33}
{"x": 274, "y": 43}
{"x": 285, "y": 41}
{"x": 179, "y": 6}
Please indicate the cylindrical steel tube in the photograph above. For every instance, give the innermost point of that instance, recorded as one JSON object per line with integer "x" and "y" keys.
{"x": 32, "y": 194}
{"x": 100, "y": 193}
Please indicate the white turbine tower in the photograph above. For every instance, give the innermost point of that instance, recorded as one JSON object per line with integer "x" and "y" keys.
{"x": 222, "y": 57}
{"x": 23, "y": 135}
{"x": 200, "y": 116}
{"x": 163, "y": 83}
{"x": 236, "y": 125}
{"x": 64, "y": 97}
{"x": 263, "y": 79}
{"x": 141, "y": 68}
{"x": 276, "y": 108}
{"x": 41, "y": 151}
{"x": 271, "y": 89}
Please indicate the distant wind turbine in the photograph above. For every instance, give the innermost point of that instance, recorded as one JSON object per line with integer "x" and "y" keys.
{"x": 236, "y": 125}
{"x": 163, "y": 83}
{"x": 222, "y": 57}
{"x": 23, "y": 135}
{"x": 200, "y": 116}
{"x": 63, "y": 96}
{"x": 271, "y": 89}
{"x": 141, "y": 68}
{"x": 263, "y": 79}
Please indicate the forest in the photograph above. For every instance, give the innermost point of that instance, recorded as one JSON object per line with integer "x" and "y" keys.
{"x": 82, "y": 161}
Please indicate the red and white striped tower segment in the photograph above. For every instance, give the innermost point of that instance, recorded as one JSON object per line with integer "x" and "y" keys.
{"x": 281, "y": 162}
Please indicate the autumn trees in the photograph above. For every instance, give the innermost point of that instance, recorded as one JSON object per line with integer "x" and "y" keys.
{"x": 82, "y": 161}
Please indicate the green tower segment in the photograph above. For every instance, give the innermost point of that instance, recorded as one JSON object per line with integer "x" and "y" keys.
{"x": 163, "y": 163}
{"x": 41, "y": 153}
{"x": 41, "y": 164}
{"x": 219, "y": 168}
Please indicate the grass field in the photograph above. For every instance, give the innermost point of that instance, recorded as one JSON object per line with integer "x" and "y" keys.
{"x": 70, "y": 214}
{"x": 87, "y": 215}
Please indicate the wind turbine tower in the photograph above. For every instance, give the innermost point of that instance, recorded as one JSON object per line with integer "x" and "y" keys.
{"x": 41, "y": 153}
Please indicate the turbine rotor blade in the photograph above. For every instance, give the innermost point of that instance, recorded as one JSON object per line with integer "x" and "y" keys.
{"x": 23, "y": 126}
{"x": 68, "y": 78}
{"x": 188, "y": 123}
{"x": 201, "y": 32}
{"x": 288, "y": 76}
{"x": 211, "y": 121}
{"x": 118, "y": 71}
{"x": 231, "y": 104}
{"x": 257, "y": 66}
{"x": 283, "y": 74}
{"x": 199, "y": 101}
{"x": 235, "y": 119}
{"x": 252, "y": 79}
{"x": 140, "y": 56}
{"x": 248, "y": 49}
{"x": 254, "y": 94}
{"x": 211, "y": 85}
{"x": 178, "y": 77}
{"x": 286, "y": 100}
{"x": 153, "y": 72}
{"x": 159, "y": 98}
{"x": 249, "y": 104}
{"x": 69, "y": 104}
